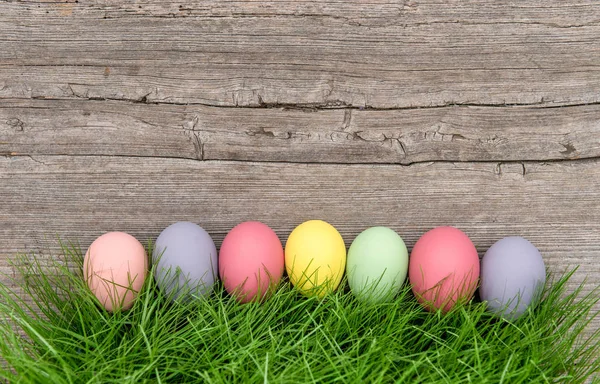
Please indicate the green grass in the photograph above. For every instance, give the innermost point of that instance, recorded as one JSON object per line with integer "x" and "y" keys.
{"x": 287, "y": 339}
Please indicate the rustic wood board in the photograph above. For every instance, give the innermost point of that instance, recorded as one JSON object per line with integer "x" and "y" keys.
{"x": 79, "y": 197}
{"x": 129, "y": 115}
{"x": 416, "y": 54}
{"x": 77, "y": 127}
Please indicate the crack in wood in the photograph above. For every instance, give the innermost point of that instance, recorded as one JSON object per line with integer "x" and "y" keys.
{"x": 308, "y": 107}
{"x": 191, "y": 131}
{"x": 522, "y": 168}
{"x": 569, "y": 149}
{"x": 521, "y": 164}
{"x": 346, "y": 124}
{"x": 16, "y": 124}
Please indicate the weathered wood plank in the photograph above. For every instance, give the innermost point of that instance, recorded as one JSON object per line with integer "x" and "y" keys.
{"x": 42, "y": 127}
{"x": 78, "y": 198}
{"x": 524, "y": 53}
{"x": 565, "y": 14}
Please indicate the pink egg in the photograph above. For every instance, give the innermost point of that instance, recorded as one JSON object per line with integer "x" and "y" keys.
{"x": 251, "y": 261}
{"x": 443, "y": 268}
{"x": 115, "y": 268}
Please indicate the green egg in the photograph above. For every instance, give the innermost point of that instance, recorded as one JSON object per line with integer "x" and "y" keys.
{"x": 377, "y": 265}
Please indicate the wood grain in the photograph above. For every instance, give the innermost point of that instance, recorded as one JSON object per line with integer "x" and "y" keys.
{"x": 416, "y": 55}
{"x": 79, "y": 198}
{"x": 77, "y": 127}
{"x": 565, "y": 14}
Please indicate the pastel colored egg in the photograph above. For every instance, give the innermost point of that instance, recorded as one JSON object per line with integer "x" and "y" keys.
{"x": 443, "y": 268}
{"x": 186, "y": 261}
{"x": 251, "y": 261}
{"x": 315, "y": 258}
{"x": 377, "y": 264}
{"x": 114, "y": 268}
{"x": 513, "y": 276}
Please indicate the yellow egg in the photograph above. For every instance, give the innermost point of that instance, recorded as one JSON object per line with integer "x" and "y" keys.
{"x": 315, "y": 258}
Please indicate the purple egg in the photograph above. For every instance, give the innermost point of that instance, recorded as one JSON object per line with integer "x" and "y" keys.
{"x": 186, "y": 261}
{"x": 513, "y": 276}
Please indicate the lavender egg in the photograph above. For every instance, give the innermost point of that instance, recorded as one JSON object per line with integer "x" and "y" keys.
{"x": 513, "y": 276}
{"x": 186, "y": 261}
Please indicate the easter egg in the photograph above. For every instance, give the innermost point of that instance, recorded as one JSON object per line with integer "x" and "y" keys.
{"x": 377, "y": 264}
{"x": 315, "y": 258}
{"x": 186, "y": 261}
{"x": 443, "y": 268}
{"x": 114, "y": 268}
{"x": 513, "y": 276}
{"x": 251, "y": 261}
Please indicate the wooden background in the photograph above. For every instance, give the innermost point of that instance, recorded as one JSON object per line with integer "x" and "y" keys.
{"x": 132, "y": 114}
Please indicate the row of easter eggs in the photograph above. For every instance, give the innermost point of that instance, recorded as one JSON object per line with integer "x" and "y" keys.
{"x": 443, "y": 268}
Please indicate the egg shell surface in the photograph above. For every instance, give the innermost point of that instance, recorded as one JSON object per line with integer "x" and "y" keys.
{"x": 114, "y": 268}
{"x": 443, "y": 268}
{"x": 186, "y": 261}
{"x": 315, "y": 258}
{"x": 377, "y": 264}
{"x": 251, "y": 261}
{"x": 513, "y": 276}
